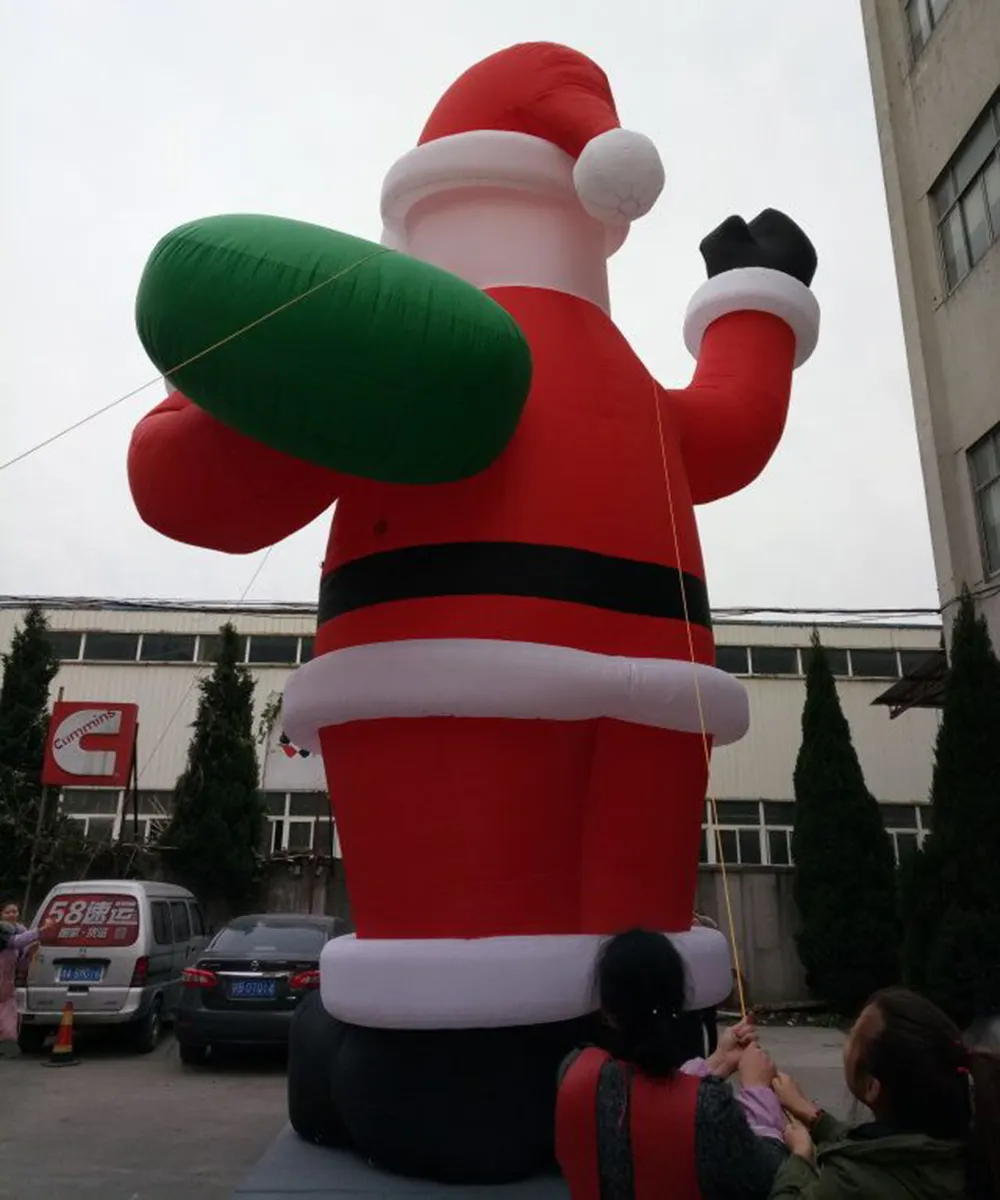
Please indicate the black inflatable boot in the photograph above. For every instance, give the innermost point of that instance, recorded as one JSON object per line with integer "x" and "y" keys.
{"x": 470, "y": 1106}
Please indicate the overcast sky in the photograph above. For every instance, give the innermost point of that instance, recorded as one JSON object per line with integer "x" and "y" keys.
{"x": 121, "y": 120}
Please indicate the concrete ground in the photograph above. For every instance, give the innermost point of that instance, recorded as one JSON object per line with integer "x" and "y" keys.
{"x": 121, "y": 1127}
{"x": 125, "y": 1127}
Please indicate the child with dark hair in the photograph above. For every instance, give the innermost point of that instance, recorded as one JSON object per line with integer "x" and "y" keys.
{"x": 637, "y": 1120}
{"x": 936, "y": 1104}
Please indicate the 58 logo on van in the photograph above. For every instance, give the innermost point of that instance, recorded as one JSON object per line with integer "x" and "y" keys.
{"x": 90, "y": 744}
{"x": 94, "y": 919}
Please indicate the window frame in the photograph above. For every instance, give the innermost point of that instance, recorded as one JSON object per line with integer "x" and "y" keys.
{"x": 86, "y": 656}
{"x": 946, "y": 183}
{"x": 929, "y": 18}
{"x": 796, "y": 673}
{"x": 978, "y": 490}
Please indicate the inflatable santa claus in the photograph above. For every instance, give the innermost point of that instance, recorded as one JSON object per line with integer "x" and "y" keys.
{"x": 513, "y": 688}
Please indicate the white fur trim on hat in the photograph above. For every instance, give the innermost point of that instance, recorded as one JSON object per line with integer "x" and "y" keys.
{"x": 618, "y": 176}
{"x": 483, "y": 983}
{"x": 755, "y": 289}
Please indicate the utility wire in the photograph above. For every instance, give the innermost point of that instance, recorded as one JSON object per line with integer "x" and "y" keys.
{"x": 55, "y": 437}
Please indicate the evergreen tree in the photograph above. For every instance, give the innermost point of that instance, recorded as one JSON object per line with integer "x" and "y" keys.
{"x": 951, "y": 895}
{"x": 845, "y": 879}
{"x": 29, "y": 668}
{"x": 213, "y": 839}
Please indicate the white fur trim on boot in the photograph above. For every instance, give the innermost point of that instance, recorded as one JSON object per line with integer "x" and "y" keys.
{"x": 618, "y": 176}
{"x": 755, "y": 289}
{"x": 490, "y": 983}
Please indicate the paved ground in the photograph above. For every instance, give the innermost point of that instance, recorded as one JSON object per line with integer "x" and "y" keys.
{"x": 121, "y": 1127}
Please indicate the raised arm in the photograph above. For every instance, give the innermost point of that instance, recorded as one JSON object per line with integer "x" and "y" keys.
{"x": 200, "y": 482}
{"x": 749, "y": 326}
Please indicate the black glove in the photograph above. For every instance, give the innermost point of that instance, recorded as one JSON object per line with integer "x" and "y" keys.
{"x": 771, "y": 240}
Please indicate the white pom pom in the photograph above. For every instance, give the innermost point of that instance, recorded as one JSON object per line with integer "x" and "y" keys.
{"x": 618, "y": 176}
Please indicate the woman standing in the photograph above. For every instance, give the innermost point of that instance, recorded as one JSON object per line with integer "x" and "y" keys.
{"x": 936, "y": 1104}
{"x": 17, "y": 945}
{"x": 639, "y": 1121}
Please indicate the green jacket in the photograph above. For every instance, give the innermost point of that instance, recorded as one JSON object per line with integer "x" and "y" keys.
{"x": 896, "y": 1167}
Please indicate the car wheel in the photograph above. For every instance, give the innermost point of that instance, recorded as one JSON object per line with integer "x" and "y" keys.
{"x": 31, "y": 1038}
{"x": 146, "y": 1031}
{"x": 192, "y": 1056}
{"x": 313, "y": 1043}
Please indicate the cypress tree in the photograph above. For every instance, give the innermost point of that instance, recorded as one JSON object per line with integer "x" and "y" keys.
{"x": 214, "y": 836}
{"x": 951, "y": 904}
{"x": 29, "y": 668}
{"x": 845, "y": 885}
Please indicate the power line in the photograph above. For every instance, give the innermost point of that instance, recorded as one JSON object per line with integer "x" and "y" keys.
{"x": 55, "y": 437}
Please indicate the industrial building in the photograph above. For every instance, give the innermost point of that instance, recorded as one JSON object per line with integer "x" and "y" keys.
{"x": 935, "y": 72}
{"x": 153, "y": 653}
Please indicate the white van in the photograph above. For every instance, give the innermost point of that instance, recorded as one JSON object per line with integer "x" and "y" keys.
{"x": 118, "y": 954}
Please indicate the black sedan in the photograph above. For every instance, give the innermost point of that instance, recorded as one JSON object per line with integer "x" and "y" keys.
{"x": 243, "y": 989}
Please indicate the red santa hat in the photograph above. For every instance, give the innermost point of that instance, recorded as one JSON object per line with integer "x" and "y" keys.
{"x": 537, "y": 117}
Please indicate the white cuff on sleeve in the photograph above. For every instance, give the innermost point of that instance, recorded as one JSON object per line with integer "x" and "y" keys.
{"x": 755, "y": 289}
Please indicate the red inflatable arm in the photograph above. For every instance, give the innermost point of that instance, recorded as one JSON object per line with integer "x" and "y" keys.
{"x": 732, "y": 414}
{"x": 200, "y": 482}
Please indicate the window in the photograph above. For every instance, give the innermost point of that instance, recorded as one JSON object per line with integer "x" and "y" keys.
{"x": 208, "y": 648}
{"x": 732, "y": 659}
{"x": 923, "y": 16}
{"x": 984, "y": 469}
{"x": 197, "y": 920}
{"x": 154, "y": 804}
{"x": 774, "y": 660}
{"x": 111, "y": 647}
{"x": 163, "y": 933}
{"x": 274, "y": 803}
{"x": 65, "y": 644}
{"x": 837, "y": 660}
{"x": 966, "y": 198}
{"x": 913, "y": 660}
{"x": 273, "y": 649}
{"x": 86, "y": 801}
{"x": 286, "y": 937}
{"x": 308, "y": 804}
{"x": 306, "y": 651}
{"x": 182, "y": 922}
{"x": 739, "y": 833}
{"x": 298, "y": 822}
{"x": 100, "y": 829}
{"x": 299, "y": 835}
{"x": 907, "y": 825}
{"x": 899, "y": 816}
{"x": 167, "y": 647}
{"x": 875, "y": 664}
{"x": 779, "y": 812}
{"x": 779, "y": 847}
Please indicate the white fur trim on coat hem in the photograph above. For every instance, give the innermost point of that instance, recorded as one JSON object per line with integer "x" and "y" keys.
{"x": 473, "y": 677}
{"x": 489, "y": 983}
{"x": 755, "y": 289}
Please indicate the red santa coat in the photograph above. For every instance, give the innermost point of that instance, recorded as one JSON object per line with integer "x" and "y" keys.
{"x": 547, "y": 587}
{"x": 550, "y": 585}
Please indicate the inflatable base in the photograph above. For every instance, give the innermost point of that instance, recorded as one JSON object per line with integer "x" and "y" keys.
{"x": 473, "y": 1106}
{"x": 293, "y": 1170}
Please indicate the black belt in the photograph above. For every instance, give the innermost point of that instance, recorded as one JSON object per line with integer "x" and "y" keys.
{"x": 515, "y": 569}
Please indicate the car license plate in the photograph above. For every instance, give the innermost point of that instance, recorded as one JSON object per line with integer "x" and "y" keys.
{"x": 80, "y": 974}
{"x": 253, "y": 989}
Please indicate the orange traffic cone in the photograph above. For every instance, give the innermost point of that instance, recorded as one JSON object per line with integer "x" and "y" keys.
{"x": 62, "y": 1054}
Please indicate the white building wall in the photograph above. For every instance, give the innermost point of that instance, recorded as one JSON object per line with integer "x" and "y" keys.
{"x": 896, "y": 755}
{"x": 925, "y": 104}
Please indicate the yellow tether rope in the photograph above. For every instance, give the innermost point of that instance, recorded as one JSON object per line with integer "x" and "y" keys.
{"x": 720, "y": 855}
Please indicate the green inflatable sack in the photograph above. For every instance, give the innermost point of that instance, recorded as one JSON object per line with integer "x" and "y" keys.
{"x": 372, "y": 363}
